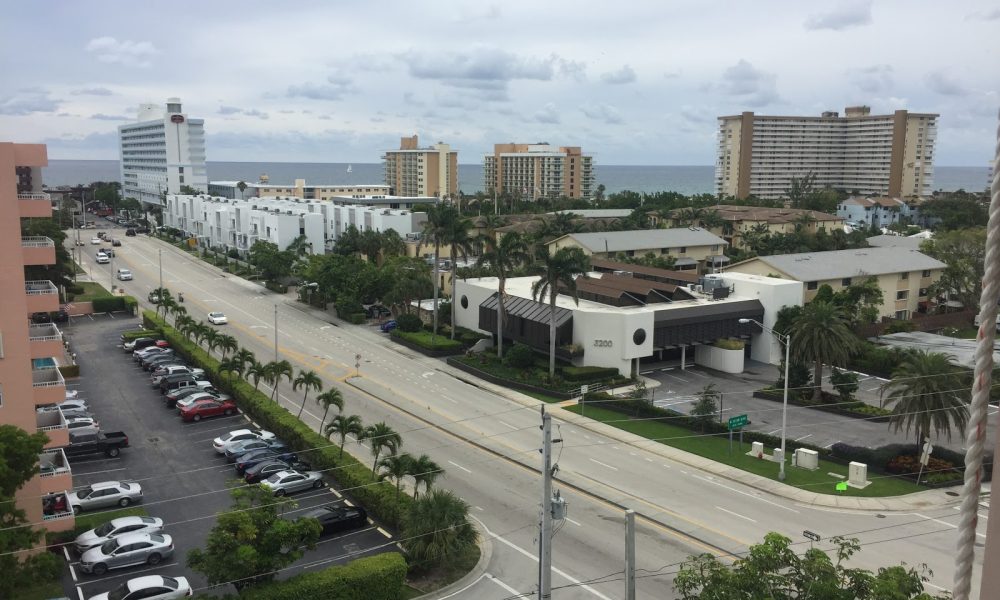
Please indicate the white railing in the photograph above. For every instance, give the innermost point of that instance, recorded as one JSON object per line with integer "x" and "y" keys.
{"x": 40, "y": 287}
{"x": 50, "y": 420}
{"x": 53, "y": 463}
{"x": 36, "y": 241}
{"x": 46, "y": 378}
{"x": 33, "y": 196}
{"x": 46, "y": 332}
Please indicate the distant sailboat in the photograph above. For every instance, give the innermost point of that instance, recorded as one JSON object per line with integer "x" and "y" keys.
{"x": 350, "y": 168}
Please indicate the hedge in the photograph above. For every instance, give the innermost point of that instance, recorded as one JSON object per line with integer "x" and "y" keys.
{"x": 106, "y": 304}
{"x": 856, "y": 409}
{"x": 69, "y": 371}
{"x": 880, "y": 457}
{"x": 128, "y": 336}
{"x": 425, "y": 340}
{"x": 378, "y": 497}
{"x": 377, "y": 577}
{"x": 577, "y": 374}
{"x": 275, "y": 286}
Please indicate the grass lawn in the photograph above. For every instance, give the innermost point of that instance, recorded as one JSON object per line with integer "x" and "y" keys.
{"x": 717, "y": 448}
{"x": 964, "y": 333}
{"x": 91, "y": 290}
{"x": 542, "y": 397}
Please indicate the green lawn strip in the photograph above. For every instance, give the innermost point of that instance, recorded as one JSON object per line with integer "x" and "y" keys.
{"x": 542, "y": 397}
{"x": 717, "y": 448}
{"x": 91, "y": 290}
{"x": 41, "y": 591}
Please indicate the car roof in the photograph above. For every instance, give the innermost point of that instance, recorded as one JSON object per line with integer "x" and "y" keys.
{"x": 131, "y": 538}
{"x": 217, "y": 312}
{"x": 105, "y": 484}
{"x": 122, "y": 521}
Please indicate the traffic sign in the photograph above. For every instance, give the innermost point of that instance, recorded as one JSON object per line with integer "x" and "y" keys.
{"x": 738, "y": 421}
{"x": 809, "y": 535}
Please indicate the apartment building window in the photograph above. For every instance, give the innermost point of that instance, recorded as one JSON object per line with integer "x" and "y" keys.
{"x": 922, "y": 292}
{"x": 902, "y": 315}
{"x": 682, "y": 250}
{"x": 846, "y": 282}
{"x": 904, "y": 276}
{"x": 926, "y": 273}
{"x": 902, "y": 294}
{"x": 812, "y": 285}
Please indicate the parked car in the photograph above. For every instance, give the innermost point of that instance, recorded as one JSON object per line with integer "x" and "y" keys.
{"x": 255, "y": 457}
{"x": 200, "y": 395}
{"x": 290, "y": 482}
{"x": 150, "y": 587}
{"x": 124, "y": 274}
{"x": 269, "y": 466}
{"x": 376, "y": 311}
{"x": 130, "y": 232}
{"x": 116, "y": 242}
{"x": 104, "y": 494}
{"x": 138, "y": 355}
{"x": 163, "y": 358}
{"x": 59, "y": 316}
{"x": 223, "y": 442}
{"x": 110, "y": 443}
{"x": 177, "y": 382}
{"x": 144, "y": 342}
{"x": 237, "y": 450}
{"x": 388, "y": 326}
{"x": 164, "y": 370}
{"x": 115, "y": 528}
{"x": 126, "y": 551}
{"x": 217, "y": 318}
{"x": 334, "y": 518}
{"x": 204, "y": 408}
{"x": 68, "y": 404}
{"x": 77, "y": 414}
{"x": 82, "y": 424}
{"x": 95, "y": 241}
{"x": 197, "y": 392}
{"x": 102, "y": 259}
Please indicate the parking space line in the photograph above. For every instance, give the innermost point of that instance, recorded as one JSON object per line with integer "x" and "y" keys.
{"x": 336, "y": 493}
{"x": 78, "y": 474}
{"x": 348, "y": 503}
{"x": 384, "y": 532}
{"x": 160, "y": 566}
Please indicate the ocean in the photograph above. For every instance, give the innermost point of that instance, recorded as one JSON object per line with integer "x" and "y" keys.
{"x": 683, "y": 179}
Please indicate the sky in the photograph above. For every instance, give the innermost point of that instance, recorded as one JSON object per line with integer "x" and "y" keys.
{"x": 637, "y": 83}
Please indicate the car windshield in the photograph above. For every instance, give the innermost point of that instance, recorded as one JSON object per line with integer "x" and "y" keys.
{"x": 119, "y": 593}
{"x": 85, "y": 492}
{"x": 274, "y": 478}
{"x": 156, "y": 538}
{"x": 148, "y": 520}
{"x": 109, "y": 546}
{"x": 170, "y": 582}
{"x": 104, "y": 529}
{"x": 215, "y": 315}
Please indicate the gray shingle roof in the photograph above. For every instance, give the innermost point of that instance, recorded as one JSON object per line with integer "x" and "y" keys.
{"x": 840, "y": 264}
{"x": 886, "y": 241}
{"x": 641, "y": 239}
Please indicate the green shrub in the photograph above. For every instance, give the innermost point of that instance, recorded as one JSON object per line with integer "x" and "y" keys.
{"x": 108, "y": 304}
{"x": 378, "y": 577}
{"x": 900, "y": 327}
{"x": 131, "y": 305}
{"x": 407, "y": 322}
{"x": 128, "y": 336}
{"x": 727, "y": 344}
{"x": 427, "y": 340}
{"x": 356, "y": 319}
{"x": 588, "y": 373}
{"x": 521, "y": 356}
{"x": 69, "y": 371}
{"x": 275, "y": 286}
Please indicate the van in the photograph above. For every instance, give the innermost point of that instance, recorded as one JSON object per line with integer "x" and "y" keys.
{"x": 124, "y": 275}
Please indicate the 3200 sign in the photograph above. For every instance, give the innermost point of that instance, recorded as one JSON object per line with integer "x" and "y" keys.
{"x": 603, "y": 343}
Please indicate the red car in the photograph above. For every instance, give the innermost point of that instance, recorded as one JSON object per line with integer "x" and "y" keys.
{"x": 209, "y": 407}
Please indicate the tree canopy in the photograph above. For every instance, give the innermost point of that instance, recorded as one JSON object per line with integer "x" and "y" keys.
{"x": 963, "y": 251}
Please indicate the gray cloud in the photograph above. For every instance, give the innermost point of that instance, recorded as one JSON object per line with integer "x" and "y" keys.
{"x": 696, "y": 114}
{"x": 479, "y": 68}
{"x": 125, "y": 52}
{"x": 602, "y": 112}
{"x": 479, "y": 13}
{"x": 547, "y": 114}
{"x": 28, "y": 101}
{"x": 234, "y": 110}
{"x": 97, "y": 91}
{"x": 942, "y": 83}
{"x": 623, "y": 75}
{"x": 574, "y": 69}
{"x": 229, "y": 110}
{"x": 336, "y": 87}
{"x": 750, "y": 85}
{"x": 104, "y": 143}
{"x": 845, "y": 16}
{"x": 104, "y": 117}
{"x": 991, "y": 15}
{"x": 875, "y": 79}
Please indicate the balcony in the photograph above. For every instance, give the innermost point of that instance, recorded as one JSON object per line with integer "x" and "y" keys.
{"x": 42, "y": 296}
{"x": 53, "y": 424}
{"x": 46, "y": 340}
{"x": 48, "y": 386}
{"x": 55, "y": 506}
{"x": 38, "y": 250}
{"x": 54, "y": 468}
{"x": 34, "y": 205}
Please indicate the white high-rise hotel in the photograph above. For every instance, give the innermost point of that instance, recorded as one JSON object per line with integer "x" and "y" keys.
{"x": 161, "y": 152}
{"x": 884, "y": 155}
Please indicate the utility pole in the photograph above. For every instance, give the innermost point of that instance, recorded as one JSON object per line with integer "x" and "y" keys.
{"x": 545, "y": 525}
{"x": 630, "y": 554}
{"x": 275, "y": 333}
{"x": 159, "y": 253}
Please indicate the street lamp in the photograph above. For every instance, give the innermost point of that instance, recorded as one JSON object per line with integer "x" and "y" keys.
{"x": 787, "y": 340}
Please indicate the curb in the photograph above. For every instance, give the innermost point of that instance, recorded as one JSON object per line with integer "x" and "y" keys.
{"x": 476, "y": 573}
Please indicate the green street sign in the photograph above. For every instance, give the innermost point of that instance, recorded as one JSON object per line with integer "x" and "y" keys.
{"x": 841, "y": 486}
{"x": 738, "y": 422}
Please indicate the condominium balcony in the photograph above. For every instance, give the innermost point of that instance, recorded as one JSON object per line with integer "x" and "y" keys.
{"x": 34, "y": 205}
{"x": 43, "y": 296}
{"x": 38, "y": 250}
{"x": 48, "y": 386}
{"x": 45, "y": 340}
{"x": 53, "y": 424}
{"x": 55, "y": 506}
{"x": 53, "y": 464}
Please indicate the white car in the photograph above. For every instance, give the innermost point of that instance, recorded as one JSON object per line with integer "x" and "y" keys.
{"x": 124, "y": 275}
{"x": 64, "y": 405}
{"x": 150, "y": 587}
{"x": 95, "y": 241}
{"x": 221, "y": 443}
{"x": 82, "y": 425}
{"x": 189, "y": 400}
{"x": 127, "y": 551}
{"x": 114, "y": 528}
{"x": 217, "y": 318}
{"x": 102, "y": 258}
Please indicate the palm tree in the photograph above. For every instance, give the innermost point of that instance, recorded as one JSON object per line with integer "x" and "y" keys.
{"x": 227, "y": 344}
{"x": 438, "y": 528}
{"x": 392, "y": 244}
{"x": 559, "y": 270}
{"x": 182, "y": 324}
{"x": 230, "y": 366}
{"x": 821, "y": 335}
{"x": 927, "y": 392}
{"x": 257, "y": 371}
{"x": 370, "y": 244}
{"x": 245, "y": 358}
{"x": 381, "y": 437}
{"x": 167, "y": 303}
{"x": 276, "y": 371}
{"x": 457, "y": 237}
{"x": 424, "y": 470}
{"x": 331, "y": 397}
{"x": 343, "y": 426}
{"x": 242, "y": 186}
{"x": 395, "y": 467}
{"x": 199, "y": 331}
{"x": 211, "y": 339}
{"x": 179, "y": 313}
{"x": 502, "y": 257}
{"x": 307, "y": 380}
{"x": 436, "y": 230}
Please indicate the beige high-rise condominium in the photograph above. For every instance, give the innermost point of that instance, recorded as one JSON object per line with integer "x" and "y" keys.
{"x": 533, "y": 171}
{"x": 886, "y": 155}
{"x": 28, "y": 352}
{"x": 414, "y": 171}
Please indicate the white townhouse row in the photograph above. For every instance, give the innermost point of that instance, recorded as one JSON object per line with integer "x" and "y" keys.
{"x": 236, "y": 224}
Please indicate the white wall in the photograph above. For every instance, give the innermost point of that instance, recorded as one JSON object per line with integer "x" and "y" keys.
{"x": 720, "y": 359}
{"x": 593, "y": 331}
{"x": 469, "y": 317}
{"x": 774, "y": 294}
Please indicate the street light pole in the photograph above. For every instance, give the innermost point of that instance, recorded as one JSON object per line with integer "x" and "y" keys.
{"x": 275, "y": 333}
{"x": 787, "y": 339}
{"x": 159, "y": 253}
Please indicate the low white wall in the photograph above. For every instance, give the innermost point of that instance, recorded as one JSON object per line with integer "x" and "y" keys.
{"x": 720, "y": 359}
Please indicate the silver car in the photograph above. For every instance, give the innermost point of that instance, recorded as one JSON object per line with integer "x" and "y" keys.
{"x": 106, "y": 493}
{"x": 82, "y": 424}
{"x": 150, "y": 587}
{"x": 289, "y": 482}
{"x": 126, "y": 551}
{"x": 116, "y": 528}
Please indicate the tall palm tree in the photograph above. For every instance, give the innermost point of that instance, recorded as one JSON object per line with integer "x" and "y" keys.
{"x": 438, "y": 528}
{"x": 257, "y": 371}
{"x": 381, "y": 437}
{"x": 245, "y": 358}
{"x": 307, "y": 380}
{"x": 199, "y": 331}
{"x": 392, "y": 244}
{"x": 343, "y": 426}
{"x": 424, "y": 470}
{"x": 331, "y": 397}
{"x": 211, "y": 339}
{"x": 179, "y": 313}
{"x": 167, "y": 303}
{"x": 370, "y": 244}
{"x": 230, "y": 366}
{"x": 182, "y": 323}
{"x": 559, "y": 270}
{"x": 928, "y": 392}
{"x": 461, "y": 243}
{"x": 436, "y": 230}
{"x": 821, "y": 335}
{"x": 502, "y": 257}
{"x": 277, "y": 371}
{"x": 227, "y": 344}
{"x": 395, "y": 467}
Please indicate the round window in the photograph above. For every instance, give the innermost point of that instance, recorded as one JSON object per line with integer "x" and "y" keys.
{"x": 639, "y": 336}
{"x": 465, "y": 302}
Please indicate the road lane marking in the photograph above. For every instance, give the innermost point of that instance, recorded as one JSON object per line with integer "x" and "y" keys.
{"x": 604, "y": 464}
{"x": 736, "y": 514}
{"x": 732, "y": 489}
{"x": 803, "y": 437}
{"x": 459, "y": 466}
{"x": 574, "y": 522}
{"x": 982, "y": 535}
{"x": 507, "y": 424}
{"x": 506, "y": 587}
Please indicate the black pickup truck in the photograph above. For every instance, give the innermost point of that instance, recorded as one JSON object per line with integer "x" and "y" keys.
{"x": 108, "y": 442}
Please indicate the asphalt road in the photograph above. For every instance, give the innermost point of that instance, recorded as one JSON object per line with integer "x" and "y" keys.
{"x": 184, "y": 481}
{"x": 489, "y": 445}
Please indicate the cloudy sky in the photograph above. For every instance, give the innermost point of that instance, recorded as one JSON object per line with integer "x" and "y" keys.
{"x": 638, "y": 82}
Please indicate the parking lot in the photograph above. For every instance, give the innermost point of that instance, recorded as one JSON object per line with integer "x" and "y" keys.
{"x": 184, "y": 481}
